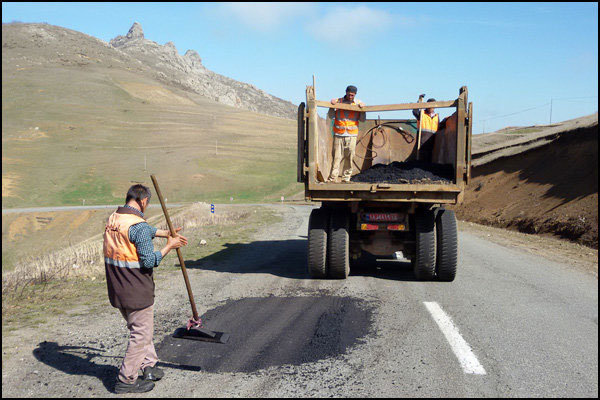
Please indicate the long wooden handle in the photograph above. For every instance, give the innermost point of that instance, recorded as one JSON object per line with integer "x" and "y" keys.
{"x": 172, "y": 230}
{"x": 419, "y": 134}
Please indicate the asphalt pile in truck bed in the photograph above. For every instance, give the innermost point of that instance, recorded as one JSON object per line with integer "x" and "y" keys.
{"x": 407, "y": 172}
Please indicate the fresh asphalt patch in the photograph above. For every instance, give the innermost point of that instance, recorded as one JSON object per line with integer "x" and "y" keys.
{"x": 273, "y": 331}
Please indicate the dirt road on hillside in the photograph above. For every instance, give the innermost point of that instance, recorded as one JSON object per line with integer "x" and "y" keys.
{"x": 531, "y": 325}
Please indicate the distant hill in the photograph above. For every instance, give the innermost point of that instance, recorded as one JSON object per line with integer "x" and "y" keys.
{"x": 82, "y": 120}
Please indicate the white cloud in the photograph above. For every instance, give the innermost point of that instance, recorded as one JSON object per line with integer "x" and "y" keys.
{"x": 351, "y": 24}
{"x": 266, "y": 17}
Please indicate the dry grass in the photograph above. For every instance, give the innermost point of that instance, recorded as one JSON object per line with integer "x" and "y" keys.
{"x": 81, "y": 260}
{"x": 84, "y": 260}
{"x": 199, "y": 215}
{"x": 86, "y": 127}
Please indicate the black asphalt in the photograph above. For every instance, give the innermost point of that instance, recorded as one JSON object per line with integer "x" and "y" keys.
{"x": 273, "y": 331}
{"x": 407, "y": 172}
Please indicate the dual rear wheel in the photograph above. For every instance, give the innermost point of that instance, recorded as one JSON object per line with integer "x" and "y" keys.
{"x": 436, "y": 245}
{"x": 328, "y": 244}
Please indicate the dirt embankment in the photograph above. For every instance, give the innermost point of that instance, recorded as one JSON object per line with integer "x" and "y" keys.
{"x": 551, "y": 189}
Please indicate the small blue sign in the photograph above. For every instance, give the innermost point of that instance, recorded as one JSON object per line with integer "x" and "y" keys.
{"x": 212, "y": 208}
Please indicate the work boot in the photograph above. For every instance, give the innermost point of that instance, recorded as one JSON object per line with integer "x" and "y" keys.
{"x": 139, "y": 386}
{"x": 153, "y": 373}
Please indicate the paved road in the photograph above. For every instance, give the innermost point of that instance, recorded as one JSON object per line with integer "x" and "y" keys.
{"x": 70, "y": 208}
{"x": 511, "y": 325}
{"x": 100, "y": 207}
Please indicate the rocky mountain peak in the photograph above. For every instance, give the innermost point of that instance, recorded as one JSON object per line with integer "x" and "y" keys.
{"x": 188, "y": 72}
{"x": 135, "y": 32}
{"x": 194, "y": 57}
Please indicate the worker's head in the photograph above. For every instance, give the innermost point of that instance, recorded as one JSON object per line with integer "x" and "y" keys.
{"x": 140, "y": 195}
{"x": 430, "y": 110}
{"x": 351, "y": 92}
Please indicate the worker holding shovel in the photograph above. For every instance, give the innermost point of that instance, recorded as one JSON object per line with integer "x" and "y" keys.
{"x": 129, "y": 259}
{"x": 427, "y": 125}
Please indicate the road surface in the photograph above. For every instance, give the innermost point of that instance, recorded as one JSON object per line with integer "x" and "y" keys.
{"x": 512, "y": 324}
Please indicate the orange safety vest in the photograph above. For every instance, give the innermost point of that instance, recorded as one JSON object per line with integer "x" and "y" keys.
{"x": 430, "y": 124}
{"x": 346, "y": 122}
{"x": 118, "y": 250}
{"x": 130, "y": 286}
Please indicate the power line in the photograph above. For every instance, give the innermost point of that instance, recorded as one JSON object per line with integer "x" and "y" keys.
{"x": 515, "y": 113}
{"x": 541, "y": 106}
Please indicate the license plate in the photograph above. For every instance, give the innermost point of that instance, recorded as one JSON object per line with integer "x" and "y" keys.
{"x": 381, "y": 217}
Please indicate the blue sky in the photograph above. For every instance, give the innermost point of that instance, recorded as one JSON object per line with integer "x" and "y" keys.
{"x": 515, "y": 58}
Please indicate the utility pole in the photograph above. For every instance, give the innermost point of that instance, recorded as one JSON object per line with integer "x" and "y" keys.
{"x": 551, "y": 99}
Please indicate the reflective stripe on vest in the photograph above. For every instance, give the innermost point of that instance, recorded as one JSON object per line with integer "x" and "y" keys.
{"x": 122, "y": 264}
{"x": 118, "y": 249}
{"x": 346, "y": 122}
{"x": 430, "y": 124}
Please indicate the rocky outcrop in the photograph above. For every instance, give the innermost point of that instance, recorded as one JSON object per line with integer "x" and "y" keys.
{"x": 188, "y": 73}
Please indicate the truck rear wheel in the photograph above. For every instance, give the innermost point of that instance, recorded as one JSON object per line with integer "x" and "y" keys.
{"x": 447, "y": 245}
{"x": 318, "y": 225}
{"x": 424, "y": 260}
{"x": 339, "y": 246}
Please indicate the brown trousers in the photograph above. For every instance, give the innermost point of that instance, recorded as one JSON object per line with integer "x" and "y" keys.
{"x": 140, "y": 350}
{"x": 344, "y": 149}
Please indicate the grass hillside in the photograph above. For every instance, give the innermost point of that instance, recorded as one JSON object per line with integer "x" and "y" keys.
{"x": 83, "y": 121}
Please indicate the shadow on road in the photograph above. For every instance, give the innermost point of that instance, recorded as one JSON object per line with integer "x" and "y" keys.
{"x": 77, "y": 360}
{"x": 287, "y": 259}
{"x": 284, "y": 258}
{"x": 385, "y": 269}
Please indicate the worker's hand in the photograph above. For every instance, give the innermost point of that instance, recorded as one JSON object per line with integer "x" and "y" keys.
{"x": 334, "y": 101}
{"x": 165, "y": 232}
{"x": 361, "y": 104}
{"x": 177, "y": 241}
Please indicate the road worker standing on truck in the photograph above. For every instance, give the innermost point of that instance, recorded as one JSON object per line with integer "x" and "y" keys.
{"x": 428, "y": 122}
{"x": 345, "y": 130}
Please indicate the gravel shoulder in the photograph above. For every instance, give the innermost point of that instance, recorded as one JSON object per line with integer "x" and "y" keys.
{"x": 562, "y": 251}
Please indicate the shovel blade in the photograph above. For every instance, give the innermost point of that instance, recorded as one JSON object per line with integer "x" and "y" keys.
{"x": 201, "y": 334}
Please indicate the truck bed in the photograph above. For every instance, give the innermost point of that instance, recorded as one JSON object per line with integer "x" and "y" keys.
{"x": 388, "y": 165}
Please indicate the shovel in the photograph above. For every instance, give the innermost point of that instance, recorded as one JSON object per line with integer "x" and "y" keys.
{"x": 193, "y": 329}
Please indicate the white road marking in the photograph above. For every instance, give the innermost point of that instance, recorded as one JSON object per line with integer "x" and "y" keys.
{"x": 460, "y": 347}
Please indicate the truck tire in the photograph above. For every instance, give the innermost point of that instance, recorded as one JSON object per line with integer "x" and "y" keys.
{"x": 424, "y": 260}
{"x": 338, "y": 246}
{"x": 447, "y": 245}
{"x": 318, "y": 225}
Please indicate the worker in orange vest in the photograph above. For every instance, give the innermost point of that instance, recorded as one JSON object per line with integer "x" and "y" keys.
{"x": 345, "y": 131}
{"x": 129, "y": 260}
{"x": 429, "y": 124}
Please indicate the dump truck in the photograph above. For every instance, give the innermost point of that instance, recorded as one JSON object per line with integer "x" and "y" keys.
{"x": 381, "y": 217}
